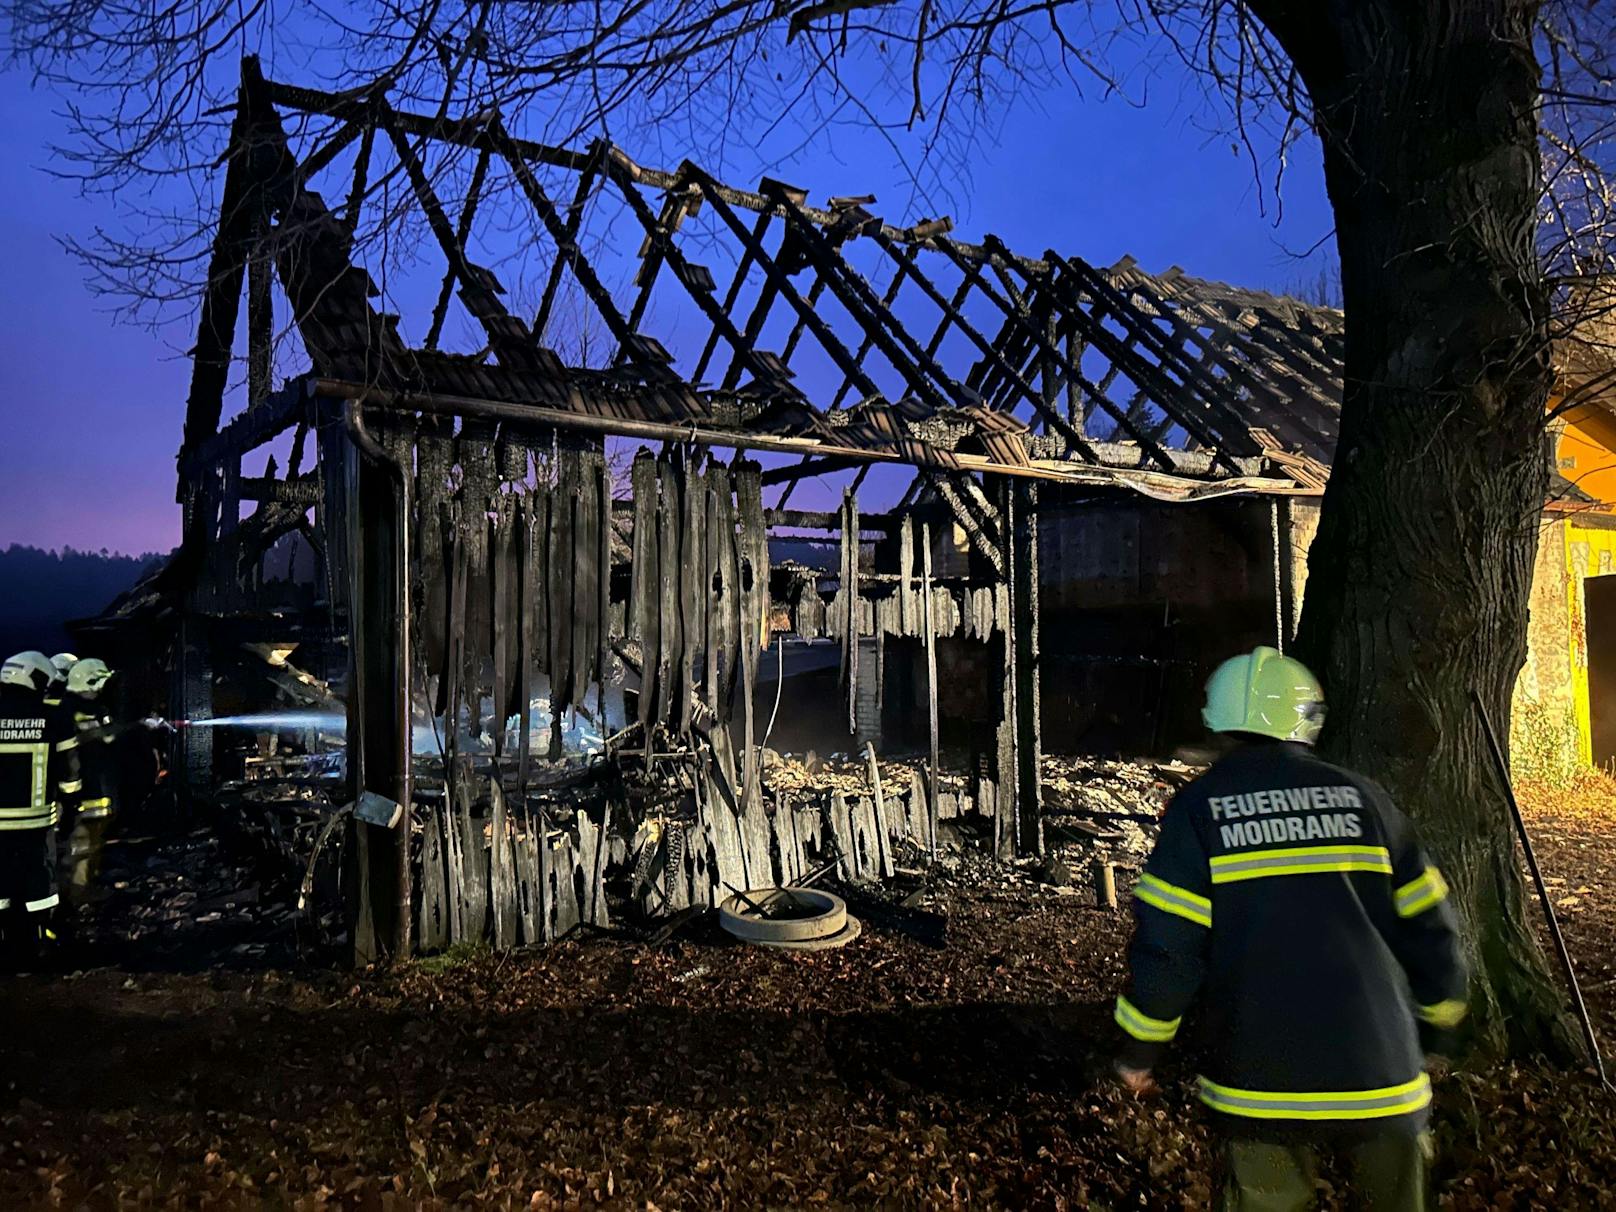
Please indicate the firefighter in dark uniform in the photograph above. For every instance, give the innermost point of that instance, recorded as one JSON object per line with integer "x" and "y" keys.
{"x": 1291, "y": 902}
{"x": 39, "y": 777}
{"x": 56, "y": 692}
{"x": 99, "y": 767}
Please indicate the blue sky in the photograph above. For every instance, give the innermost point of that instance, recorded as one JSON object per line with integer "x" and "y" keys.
{"x": 94, "y": 408}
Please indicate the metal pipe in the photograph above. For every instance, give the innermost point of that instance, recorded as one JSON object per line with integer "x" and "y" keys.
{"x": 1502, "y": 769}
{"x": 354, "y": 422}
{"x": 1158, "y": 485}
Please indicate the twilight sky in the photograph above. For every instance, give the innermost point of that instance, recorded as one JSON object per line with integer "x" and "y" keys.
{"x": 93, "y": 408}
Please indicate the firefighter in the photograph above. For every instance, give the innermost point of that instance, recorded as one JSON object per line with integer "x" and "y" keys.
{"x": 60, "y": 664}
{"x": 1291, "y": 901}
{"x": 39, "y": 775}
{"x": 98, "y": 763}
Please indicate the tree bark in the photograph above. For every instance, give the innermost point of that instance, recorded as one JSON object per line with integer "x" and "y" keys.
{"x": 1419, "y": 575}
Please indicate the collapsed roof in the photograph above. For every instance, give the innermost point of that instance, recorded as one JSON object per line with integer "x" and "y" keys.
{"x": 746, "y": 313}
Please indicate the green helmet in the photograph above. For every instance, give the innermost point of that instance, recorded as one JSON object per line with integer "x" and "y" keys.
{"x": 1265, "y": 693}
{"x": 87, "y": 677}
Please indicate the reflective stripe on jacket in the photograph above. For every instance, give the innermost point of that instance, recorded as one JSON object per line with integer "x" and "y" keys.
{"x": 39, "y": 769}
{"x": 1290, "y": 904}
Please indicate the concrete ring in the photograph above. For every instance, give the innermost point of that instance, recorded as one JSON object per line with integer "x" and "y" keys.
{"x": 820, "y": 915}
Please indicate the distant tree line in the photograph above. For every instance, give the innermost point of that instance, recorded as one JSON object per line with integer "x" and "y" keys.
{"x": 45, "y": 589}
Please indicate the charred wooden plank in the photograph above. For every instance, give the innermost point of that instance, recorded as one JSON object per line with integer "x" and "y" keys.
{"x": 646, "y": 586}
{"x": 729, "y": 551}
{"x": 855, "y": 611}
{"x": 603, "y": 562}
{"x": 712, "y": 588}
{"x": 498, "y": 614}
{"x": 563, "y": 506}
{"x": 929, "y": 638}
{"x": 585, "y": 574}
{"x": 525, "y": 623}
{"x": 754, "y": 575}
{"x": 692, "y": 597}
{"x": 670, "y": 646}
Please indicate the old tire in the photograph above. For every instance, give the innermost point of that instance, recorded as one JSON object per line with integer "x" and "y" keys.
{"x": 825, "y": 916}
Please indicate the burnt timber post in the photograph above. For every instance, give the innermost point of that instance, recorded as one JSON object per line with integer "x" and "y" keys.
{"x": 378, "y": 884}
{"x": 1018, "y": 825}
{"x": 1021, "y": 552}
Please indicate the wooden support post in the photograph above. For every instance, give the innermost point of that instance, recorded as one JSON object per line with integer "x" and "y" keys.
{"x": 930, "y": 638}
{"x": 375, "y": 738}
{"x": 1105, "y": 884}
{"x": 883, "y": 839}
{"x": 1023, "y": 650}
{"x": 1285, "y": 604}
{"x": 850, "y": 544}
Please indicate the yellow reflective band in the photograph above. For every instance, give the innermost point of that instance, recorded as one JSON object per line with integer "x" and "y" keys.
{"x": 72, "y": 785}
{"x": 1170, "y": 898}
{"x": 72, "y": 742}
{"x": 1447, "y": 1014}
{"x": 38, "y": 753}
{"x": 39, "y": 906}
{"x": 41, "y": 820}
{"x": 1319, "y": 1104}
{"x": 1141, "y": 1026}
{"x": 1418, "y": 895}
{"x": 1299, "y": 860}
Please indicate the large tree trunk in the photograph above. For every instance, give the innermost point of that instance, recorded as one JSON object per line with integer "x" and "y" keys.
{"x": 1418, "y": 578}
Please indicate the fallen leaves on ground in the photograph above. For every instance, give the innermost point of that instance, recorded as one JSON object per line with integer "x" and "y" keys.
{"x": 706, "y": 1075}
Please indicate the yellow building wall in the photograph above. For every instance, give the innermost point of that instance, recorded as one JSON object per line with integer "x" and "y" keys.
{"x": 1586, "y": 452}
{"x": 1589, "y": 553}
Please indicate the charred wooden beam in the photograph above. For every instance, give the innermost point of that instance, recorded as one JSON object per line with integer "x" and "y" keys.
{"x": 361, "y": 176}
{"x": 971, "y": 519}
{"x": 303, "y": 490}
{"x": 806, "y": 468}
{"x": 827, "y": 338}
{"x": 1213, "y": 422}
{"x": 1023, "y": 650}
{"x": 566, "y": 242}
{"x": 445, "y": 404}
{"x": 683, "y": 271}
{"x": 260, "y": 329}
{"x": 574, "y": 220}
{"x": 990, "y": 351}
{"x": 250, "y": 430}
{"x": 731, "y": 297}
{"x": 468, "y": 214}
{"x": 974, "y": 272}
{"x": 254, "y": 157}
{"x": 925, "y": 378}
{"x": 668, "y": 222}
{"x": 905, "y": 266}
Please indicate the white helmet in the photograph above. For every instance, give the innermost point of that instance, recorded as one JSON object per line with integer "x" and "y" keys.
{"x": 30, "y": 670}
{"x": 63, "y": 661}
{"x": 87, "y": 677}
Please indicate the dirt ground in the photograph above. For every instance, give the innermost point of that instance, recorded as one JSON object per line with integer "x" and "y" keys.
{"x": 891, "y": 1073}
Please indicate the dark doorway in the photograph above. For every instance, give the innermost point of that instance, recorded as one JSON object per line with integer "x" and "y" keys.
{"x": 1599, "y": 595}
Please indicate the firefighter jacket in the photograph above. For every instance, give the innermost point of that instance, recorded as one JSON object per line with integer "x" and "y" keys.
{"x": 98, "y": 758}
{"x": 1291, "y": 901}
{"x": 39, "y": 768}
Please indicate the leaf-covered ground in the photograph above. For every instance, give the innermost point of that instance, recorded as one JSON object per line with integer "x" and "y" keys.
{"x": 702, "y": 1075}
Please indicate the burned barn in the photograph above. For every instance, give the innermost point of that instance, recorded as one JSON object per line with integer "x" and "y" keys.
{"x": 557, "y": 565}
